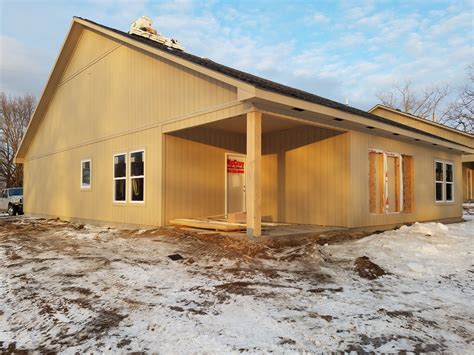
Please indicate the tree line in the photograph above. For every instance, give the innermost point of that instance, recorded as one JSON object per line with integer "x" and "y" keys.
{"x": 430, "y": 102}
{"x": 15, "y": 114}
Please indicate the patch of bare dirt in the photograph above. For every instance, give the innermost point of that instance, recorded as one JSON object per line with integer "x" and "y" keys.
{"x": 81, "y": 302}
{"x": 234, "y": 247}
{"x": 81, "y": 290}
{"x": 12, "y": 255}
{"x": 12, "y": 349}
{"x": 123, "y": 343}
{"x": 420, "y": 347}
{"x": 286, "y": 341}
{"x": 326, "y": 317}
{"x": 367, "y": 269}
{"x": 247, "y": 287}
{"x": 321, "y": 290}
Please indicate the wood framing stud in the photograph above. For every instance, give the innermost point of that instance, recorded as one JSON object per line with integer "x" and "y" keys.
{"x": 253, "y": 174}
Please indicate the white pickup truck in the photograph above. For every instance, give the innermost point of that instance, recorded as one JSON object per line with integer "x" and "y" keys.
{"x": 11, "y": 201}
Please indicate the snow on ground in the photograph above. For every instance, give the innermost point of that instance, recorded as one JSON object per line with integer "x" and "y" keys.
{"x": 73, "y": 288}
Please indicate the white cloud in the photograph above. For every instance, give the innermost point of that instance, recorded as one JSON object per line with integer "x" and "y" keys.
{"x": 352, "y": 39}
{"x": 453, "y": 23}
{"x": 319, "y": 18}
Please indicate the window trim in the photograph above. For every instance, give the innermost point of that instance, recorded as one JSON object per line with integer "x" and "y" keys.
{"x": 119, "y": 178}
{"x": 449, "y": 182}
{"x": 444, "y": 183}
{"x": 137, "y": 177}
{"x": 86, "y": 187}
{"x": 436, "y": 181}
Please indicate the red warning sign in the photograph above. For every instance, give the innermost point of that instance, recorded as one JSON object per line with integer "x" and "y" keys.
{"x": 235, "y": 167}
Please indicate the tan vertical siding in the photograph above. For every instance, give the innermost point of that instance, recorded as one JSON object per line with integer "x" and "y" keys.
{"x": 52, "y": 183}
{"x": 111, "y": 99}
{"x": 195, "y": 171}
{"x": 306, "y": 176}
{"x": 425, "y": 207}
{"x": 119, "y": 92}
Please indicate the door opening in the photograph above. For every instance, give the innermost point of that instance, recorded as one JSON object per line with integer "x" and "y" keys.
{"x": 235, "y": 183}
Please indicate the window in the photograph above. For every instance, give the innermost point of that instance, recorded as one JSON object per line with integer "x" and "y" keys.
{"x": 449, "y": 182}
{"x": 439, "y": 181}
{"x": 137, "y": 176}
{"x": 86, "y": 170}
{"x": 444, "y": 181}
{"x": 120, "y": 177}
{"x": 391, "y": 188}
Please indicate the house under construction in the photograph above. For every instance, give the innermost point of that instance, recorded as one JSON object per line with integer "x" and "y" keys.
{"x": 132, "y": 129}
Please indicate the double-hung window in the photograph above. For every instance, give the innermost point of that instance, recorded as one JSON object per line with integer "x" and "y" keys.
{"x": 120, "y": 177}
{"x": 129, "y": 177}
{"x": 444, "y": 181}
{"x": 137, "y": 176}
{"x": 86, "y": 174}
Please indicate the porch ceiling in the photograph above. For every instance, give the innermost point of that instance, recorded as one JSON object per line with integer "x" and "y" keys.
{"x": 238, "y": 124}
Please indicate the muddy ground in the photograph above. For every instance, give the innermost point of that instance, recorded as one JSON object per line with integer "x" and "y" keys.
{"x": 67, "y": 287}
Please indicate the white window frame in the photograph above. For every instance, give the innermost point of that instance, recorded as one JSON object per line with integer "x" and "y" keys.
{"x": 85, "y": 186}
{"x": 138, "y": 176}
{"x": 119, "y": 178}
{"x": 449, "y": 182}
{"x": 444, "y": 182}
{"x": 439, "y": 181}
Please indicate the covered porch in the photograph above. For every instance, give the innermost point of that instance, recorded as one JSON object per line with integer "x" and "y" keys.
{"x": 294, "y": 171}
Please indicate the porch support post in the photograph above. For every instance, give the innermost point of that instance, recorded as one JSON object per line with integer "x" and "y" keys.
{"x": 253, "y": 174}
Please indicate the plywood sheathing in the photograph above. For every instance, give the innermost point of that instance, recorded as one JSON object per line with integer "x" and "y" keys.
{"x": 408, "y": 183}
{"x": 397, "y": 183}
{"x": 372, "y": 183}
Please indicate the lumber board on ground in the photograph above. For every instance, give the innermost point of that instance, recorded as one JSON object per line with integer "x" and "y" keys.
{"x": 212, "y": 225}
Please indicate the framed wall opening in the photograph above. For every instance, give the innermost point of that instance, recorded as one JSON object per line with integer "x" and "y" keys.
{"x": 235, "y": 167}
{"x": 391, "y": 182}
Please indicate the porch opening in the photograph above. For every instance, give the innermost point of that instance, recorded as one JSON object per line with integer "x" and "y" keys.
{"x": 304, "y": 172}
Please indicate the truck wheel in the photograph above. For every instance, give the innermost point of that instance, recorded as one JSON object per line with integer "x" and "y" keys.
{"x": 11, "y": 210}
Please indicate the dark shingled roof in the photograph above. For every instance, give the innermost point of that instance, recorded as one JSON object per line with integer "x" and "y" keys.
{"x": 266, "y": 84}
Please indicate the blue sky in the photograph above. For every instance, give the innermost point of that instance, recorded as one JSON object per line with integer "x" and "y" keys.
{"x": 336, "y": 49}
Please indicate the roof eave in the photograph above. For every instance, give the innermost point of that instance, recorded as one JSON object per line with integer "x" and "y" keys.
{"x": 421, "y": 119}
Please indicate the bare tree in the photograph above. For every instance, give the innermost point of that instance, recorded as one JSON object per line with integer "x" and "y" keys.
{"x": 422, "y": 103}
{"x": 15, "y": 114}
{"x": 460, "y": 113}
